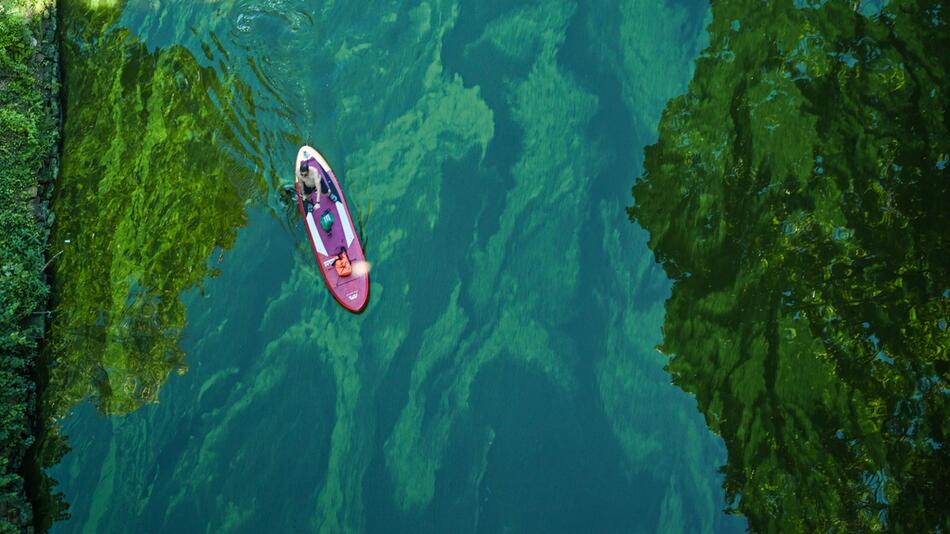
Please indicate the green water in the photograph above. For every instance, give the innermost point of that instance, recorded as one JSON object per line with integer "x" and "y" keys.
{"x": 504, "y": 376}
{"x": 525, "y": 364}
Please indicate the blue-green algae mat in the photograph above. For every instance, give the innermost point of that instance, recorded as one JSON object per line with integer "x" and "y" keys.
{"x": 504, "y": 376}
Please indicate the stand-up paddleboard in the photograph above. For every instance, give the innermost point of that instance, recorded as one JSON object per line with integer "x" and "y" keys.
{"x": 333, "y": 235}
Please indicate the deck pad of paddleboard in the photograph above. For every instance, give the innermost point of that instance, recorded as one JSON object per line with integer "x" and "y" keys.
{"x": 352, "y": 292}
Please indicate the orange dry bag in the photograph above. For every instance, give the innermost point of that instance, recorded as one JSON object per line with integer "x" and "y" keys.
{"x": 342, "y": 264}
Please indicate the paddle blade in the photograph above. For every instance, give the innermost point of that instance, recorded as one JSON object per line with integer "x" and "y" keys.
{"x": 361, "y": 268}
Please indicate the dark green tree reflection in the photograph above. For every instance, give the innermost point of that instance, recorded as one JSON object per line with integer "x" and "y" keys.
{"x": 800, "y": 198}
{"x": 153, "y": 190}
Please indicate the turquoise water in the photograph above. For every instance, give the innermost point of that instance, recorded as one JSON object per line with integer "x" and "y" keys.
{"x": 504, "y": 375}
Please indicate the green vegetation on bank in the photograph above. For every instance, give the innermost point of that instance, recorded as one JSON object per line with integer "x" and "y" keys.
{"x": 28, "y": 135}
{"x": 799, "y": 197}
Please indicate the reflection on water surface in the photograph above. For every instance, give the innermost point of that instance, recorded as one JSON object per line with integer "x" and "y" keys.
{"x": 798, "y": 197}
{"x": 150, "y": 191}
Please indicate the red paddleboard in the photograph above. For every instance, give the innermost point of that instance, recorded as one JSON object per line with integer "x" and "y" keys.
{"x": 330, "y": 245}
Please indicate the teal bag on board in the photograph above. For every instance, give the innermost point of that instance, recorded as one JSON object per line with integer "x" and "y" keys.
{"x": 326, "y": 221}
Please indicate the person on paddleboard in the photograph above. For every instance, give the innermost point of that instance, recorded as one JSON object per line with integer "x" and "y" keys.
{"x": 309, "y": 181}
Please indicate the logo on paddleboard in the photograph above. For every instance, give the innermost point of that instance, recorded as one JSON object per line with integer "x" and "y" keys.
{"x": 353, "y": 295}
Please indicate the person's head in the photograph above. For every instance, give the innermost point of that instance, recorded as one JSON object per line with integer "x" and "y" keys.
{"x": 304, "y": 168}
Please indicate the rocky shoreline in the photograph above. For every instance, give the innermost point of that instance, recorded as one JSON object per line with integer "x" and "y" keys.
{"x": 46, "y": 65}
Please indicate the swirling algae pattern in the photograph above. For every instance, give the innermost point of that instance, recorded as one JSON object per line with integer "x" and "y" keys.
{"x": 471, "y": 142}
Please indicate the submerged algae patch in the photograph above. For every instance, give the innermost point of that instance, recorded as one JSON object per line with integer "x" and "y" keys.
{"x": 149, "y": 189}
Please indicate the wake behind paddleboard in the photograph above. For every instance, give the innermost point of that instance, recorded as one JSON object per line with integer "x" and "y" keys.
{"x": 329, "y": 241}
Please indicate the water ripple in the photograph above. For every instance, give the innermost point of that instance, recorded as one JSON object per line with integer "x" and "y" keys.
{"x": 269, "y": 19}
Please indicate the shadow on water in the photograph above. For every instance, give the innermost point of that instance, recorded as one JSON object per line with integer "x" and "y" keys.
{"x": 797, "y": 196}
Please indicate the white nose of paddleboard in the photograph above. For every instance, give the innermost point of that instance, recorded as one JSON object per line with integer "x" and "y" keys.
{"x": 306, "y": 152}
